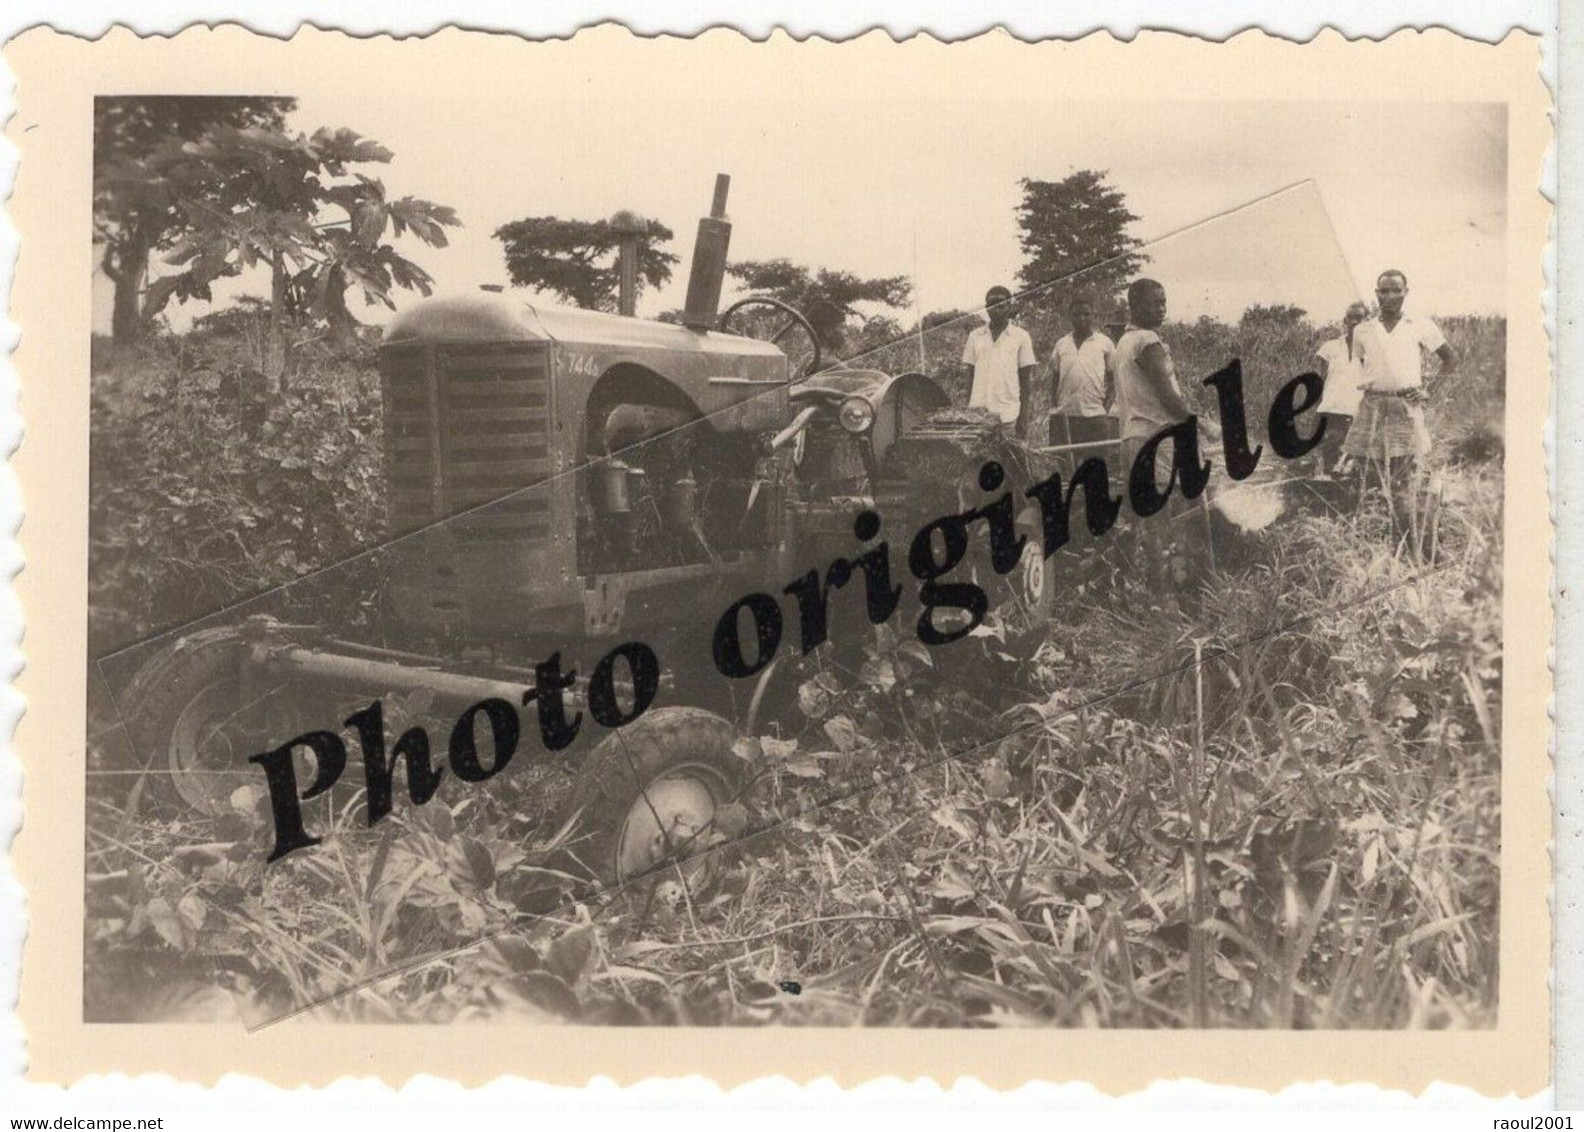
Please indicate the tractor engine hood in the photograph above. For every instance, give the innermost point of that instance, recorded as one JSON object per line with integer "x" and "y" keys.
{"x": 495, "y": 318}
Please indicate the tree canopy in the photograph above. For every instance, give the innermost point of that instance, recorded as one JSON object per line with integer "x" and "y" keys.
{"x": 576, "y": 259}
{"x": 298, "y": 205}
{"x": 214, "y": 186}
{"x": 1074, "y": 233}
{"x": 138, "y": 209}
{"x": 1274, "y": 316}
{"x": 827, "y": 297}
{"x": 804, "y": 287}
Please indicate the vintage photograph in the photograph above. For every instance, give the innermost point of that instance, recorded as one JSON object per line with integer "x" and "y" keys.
{"x": 632, "y": 558}
{"x": 1047, "y": 578}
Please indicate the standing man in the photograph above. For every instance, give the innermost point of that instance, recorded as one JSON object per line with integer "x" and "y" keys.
{"x": 1083, "y": 381}
{"x": 1339, "y": 403}
{"x": 999, "y": 362}
{"x": 1389, "y": 430}
{"x": 1149, "y": 399}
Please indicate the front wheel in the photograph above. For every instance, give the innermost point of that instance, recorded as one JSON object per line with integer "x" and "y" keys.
{"x": 1034, "y": 579}
{"x": 650, "y": 792}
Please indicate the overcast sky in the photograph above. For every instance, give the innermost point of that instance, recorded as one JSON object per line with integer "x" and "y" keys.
{"x": 928, "y": 189}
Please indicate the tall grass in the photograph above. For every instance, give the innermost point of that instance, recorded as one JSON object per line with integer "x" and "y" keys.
{"x": 1293, "y": 822}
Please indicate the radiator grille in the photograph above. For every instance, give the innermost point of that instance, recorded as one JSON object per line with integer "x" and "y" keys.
{"x": 467, "y": 429}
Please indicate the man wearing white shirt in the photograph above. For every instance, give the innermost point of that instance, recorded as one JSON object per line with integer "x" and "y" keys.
{"x": 1390, "y": 425}
{"x": 1389, "y": 433}
{"x": 999, "y": 361}
{"x": 1339, "y": 403}
{"x": 1084, "y": 384}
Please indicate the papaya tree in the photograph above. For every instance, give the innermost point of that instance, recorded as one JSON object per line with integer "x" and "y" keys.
{"x": 297, "y": 206}
{"x": 139, "y": 208}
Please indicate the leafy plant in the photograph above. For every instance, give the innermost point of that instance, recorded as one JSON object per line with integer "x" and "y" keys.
{"x": 141, "y": 205}
{"x": 206, "y": 489}
{"x": 298, "y": 205}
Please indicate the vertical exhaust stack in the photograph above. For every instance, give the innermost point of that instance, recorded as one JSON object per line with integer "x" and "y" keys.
{"x": 709, "y": 262}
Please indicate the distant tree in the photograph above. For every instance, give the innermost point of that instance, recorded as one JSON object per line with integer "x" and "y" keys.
{"x": 138, "y": 209}
{"x": 945, "y": 317}
{"x": 1274, "y": 317}
{"x": 297, "y": 205}
{"x": 576, "y": 259}
{"x": 803, "y": 287}
{"x": 827, "y": 297}
{"x": 1074, "y": 233}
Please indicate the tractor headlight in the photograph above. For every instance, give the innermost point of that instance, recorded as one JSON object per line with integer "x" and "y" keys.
{"x": 857, "y": 414}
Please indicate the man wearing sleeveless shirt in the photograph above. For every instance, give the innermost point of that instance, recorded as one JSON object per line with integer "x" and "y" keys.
{"x": 1148, "y": 400}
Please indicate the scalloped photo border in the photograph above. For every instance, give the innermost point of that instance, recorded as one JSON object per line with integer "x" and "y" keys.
{"x": 57, "y": 77}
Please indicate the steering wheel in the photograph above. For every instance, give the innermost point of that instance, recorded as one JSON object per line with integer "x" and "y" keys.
{"x": 795, "y": 318}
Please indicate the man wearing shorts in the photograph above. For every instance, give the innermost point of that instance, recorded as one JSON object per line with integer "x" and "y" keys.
{"x": 1389, "y": 433}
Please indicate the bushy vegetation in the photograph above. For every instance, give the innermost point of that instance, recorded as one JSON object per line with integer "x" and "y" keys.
{"x": 206, "y": 488}
{"x": 1295, "y": 824}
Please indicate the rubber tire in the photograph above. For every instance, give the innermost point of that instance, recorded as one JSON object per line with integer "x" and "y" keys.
{"x": 157, "y": 695}
{"x": 173, "y": 679}
{"x": 616, "y": 771}
{"x": 1015, "y": 589}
